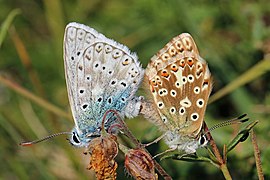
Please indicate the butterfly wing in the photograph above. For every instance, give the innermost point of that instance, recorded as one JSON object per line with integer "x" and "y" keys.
{"x": 101, "y": 74}
{"x": 180, "y": 83}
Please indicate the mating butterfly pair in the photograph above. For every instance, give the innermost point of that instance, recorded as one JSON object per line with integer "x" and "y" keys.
{"x": 102, "y": 75}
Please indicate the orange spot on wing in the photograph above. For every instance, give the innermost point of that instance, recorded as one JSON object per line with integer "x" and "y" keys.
{"x": 174, "y": 68}
{"x": 164, "y": 73}
{"x": 182, "y": 63}
{"x": 190, "y": 62}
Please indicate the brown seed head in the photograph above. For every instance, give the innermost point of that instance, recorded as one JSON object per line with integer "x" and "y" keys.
{"x": 103, "y": 150}
{"x": 140, "y": 165}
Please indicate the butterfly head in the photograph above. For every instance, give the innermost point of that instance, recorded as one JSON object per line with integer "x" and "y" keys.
{"x": 80, "y": 139}
{"x": 202, "y": 141}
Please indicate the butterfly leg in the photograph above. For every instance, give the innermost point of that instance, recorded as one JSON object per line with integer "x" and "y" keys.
{"x": 164, "y": 152}
{"x": 155, "y": 141}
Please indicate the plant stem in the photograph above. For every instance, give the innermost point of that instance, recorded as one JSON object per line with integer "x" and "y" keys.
{"x": 222, "y": 162}
{"x": 225, "y": 171}
{"x": 257, "y": 156}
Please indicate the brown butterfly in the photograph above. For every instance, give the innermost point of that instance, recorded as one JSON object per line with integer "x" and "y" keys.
{"x": 180, "y": 85}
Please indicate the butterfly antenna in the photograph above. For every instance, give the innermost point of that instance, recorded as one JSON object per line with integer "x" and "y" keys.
{"x": 30, "y": 143}
{"x": 229, "y": 122}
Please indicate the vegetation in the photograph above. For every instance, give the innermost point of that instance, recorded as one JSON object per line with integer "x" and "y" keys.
{"x": 233, "y": 36}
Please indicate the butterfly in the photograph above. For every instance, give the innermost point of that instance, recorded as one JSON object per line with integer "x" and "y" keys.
{"x": 101, "y": 75}
{"x": 179, "y": 84}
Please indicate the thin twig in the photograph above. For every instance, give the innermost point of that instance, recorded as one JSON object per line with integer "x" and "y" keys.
{"x": 222, "y": 163}
{"x": 257, "y": 156}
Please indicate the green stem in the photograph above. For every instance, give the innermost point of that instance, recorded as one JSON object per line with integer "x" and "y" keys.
{"x": 225, "y": 171}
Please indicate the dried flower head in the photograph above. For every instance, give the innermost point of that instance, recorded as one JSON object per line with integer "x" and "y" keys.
{"x": 140, "y": 164}
{"x": 103, "y": 150}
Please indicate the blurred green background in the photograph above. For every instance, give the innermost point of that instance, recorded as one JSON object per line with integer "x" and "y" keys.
{"x": 233, "y": 36}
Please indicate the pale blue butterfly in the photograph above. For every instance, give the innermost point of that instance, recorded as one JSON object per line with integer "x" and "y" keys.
{"x": 101, "y": 75}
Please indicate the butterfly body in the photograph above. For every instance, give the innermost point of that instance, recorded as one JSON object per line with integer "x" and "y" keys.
{"x": 180, "y": 84}
{"x": 101, "y": 75}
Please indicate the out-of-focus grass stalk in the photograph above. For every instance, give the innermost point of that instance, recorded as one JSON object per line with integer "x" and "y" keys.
{"x": 55, "y": 20}
{"x": 256, "y": 71}
{"x": 43, "y": 103}
{"x": 6, "y": 24}
{"x": 26, "y": 61}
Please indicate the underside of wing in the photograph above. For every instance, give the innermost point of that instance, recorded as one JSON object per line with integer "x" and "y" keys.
{"x": 101, "y": 75}
{"x": 180, "y": 82}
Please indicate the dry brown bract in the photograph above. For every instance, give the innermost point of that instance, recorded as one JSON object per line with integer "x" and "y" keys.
{"x": 103, "y": 150}
{"x": 140, "y": 165}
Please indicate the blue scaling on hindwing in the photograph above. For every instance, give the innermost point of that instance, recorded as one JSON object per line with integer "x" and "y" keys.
{"x": 101, "y": 75}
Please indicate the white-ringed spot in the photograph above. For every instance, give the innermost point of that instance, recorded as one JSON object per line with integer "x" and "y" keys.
{"x": 194, "y": 116}
{"x": 113, "y": 82}
{"x": 110, "y": 72}
{"x": 200, "y": 103}
{"x": 116, "y": 53}
{"x": 96, "y": 65}
{"x": 173, "y": 93}
{"x": 81, "y": 91}
{"x": 84, "y": 106}
{"x": 190, "y": 78}
{"x": 164, "y": 119}
{"x": 177, "y": 84}
{"x": 184, "y": 79}
{"x": 182, "y": 111}
{"x": 172, "y": 110}
{"x": 108, "y": 49}
{"x": 99, "y": 47}
{"x": 126, "y": 60}
{"x": 197, "y": 90}
{"x": 160, "y": 105}
{"x": 165, "y": 56}
{"x": 88, "y": 77}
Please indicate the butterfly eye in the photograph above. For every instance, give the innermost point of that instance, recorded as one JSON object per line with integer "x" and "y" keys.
{"x": 75, "y": 139}
{"x": 203, "y": 141}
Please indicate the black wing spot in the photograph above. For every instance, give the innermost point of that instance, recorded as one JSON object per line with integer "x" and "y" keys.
{"x": 110, "y": 100}
{"x": 99, "y": 99}
{"x": 84, "y": 106}
{"x": 123, "y": 84}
